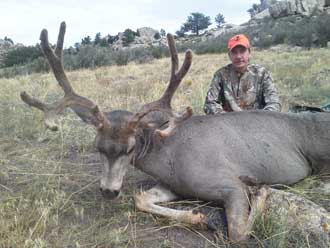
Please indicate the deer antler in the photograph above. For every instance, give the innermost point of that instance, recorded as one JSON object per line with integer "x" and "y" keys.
{"x": 83, "y": 107}
{"x": 164, "y": 103}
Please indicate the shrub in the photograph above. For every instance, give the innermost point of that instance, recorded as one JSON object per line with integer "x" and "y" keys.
{"x": 121, "y": 57}
{"x": 112, "y": 39}
{"x": 157, "y": 36}
{"x": 128, "y": 36}
{"x": 322, "y": 28}
{"x": 214, "y": 45}
{"x": 88, "y": 57}
{"x": 21, "y": 55}
{"x": 38, "y": 65}
{"x": 302, "y": 34}
{"x": 158, "y": 52}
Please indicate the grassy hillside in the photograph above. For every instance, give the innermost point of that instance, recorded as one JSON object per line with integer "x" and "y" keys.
{"x": 49, "y": 181}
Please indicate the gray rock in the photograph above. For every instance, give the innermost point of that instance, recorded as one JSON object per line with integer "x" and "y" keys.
{"x": 147, "y": 32}
{"x": 295, "y": 7}
{"x": 147, "y": 37}
{"x": 292, "y": 212}
{"x": 262, "y": 14}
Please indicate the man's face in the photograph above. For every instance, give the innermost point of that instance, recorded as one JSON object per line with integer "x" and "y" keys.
{"x": 239, "y": 56}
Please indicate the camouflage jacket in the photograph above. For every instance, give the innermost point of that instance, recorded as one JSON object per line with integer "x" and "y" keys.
{"x": 252, "y": 90}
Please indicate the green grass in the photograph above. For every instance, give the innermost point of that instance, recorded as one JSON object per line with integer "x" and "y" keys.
{"x": 49, "y": 181}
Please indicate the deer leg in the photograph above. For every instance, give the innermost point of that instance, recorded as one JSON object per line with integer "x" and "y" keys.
{"x": 240, "y": 221}
{"x": 237, "y": 212}
{"x": 145, "y": 201}
{"x": 258, "y": 201}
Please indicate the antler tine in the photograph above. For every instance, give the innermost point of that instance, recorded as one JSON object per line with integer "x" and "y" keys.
{"x": 173, "y": 53}
{"x": 164, "y": 103}
{"x": 33, "y": 101}
{"x": 83, "y": 107}
{"x": 55, "y": 59}
{"x": 60, "y": 41}
{"x": 176, "y": 77}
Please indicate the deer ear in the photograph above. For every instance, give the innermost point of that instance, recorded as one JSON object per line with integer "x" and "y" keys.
{"x": 131, "y": 144}
{"x": 152, "y": 125}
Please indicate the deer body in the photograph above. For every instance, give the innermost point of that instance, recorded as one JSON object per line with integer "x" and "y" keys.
{"x": 268, "y": 147}
{"x": 213, "y": 158}
{"x": 210, "y": 157}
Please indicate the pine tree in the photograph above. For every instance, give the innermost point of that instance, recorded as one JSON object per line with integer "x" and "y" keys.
{"x": 220, "y": 20}
{"x": 195, "y": 23}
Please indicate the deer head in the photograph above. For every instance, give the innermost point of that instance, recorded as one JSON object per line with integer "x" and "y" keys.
{"x": 116, "y": 130}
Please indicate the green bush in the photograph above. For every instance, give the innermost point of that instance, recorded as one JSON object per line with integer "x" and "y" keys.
{"x": 158, "y": 52}
{"x": 112, "y": 39}
{"x": 157, "y": 36}
{"x": 212, "y": 45}
{"x": 128, "y": 36}
{"x": 89, "y": 57}
{"x": 302, "y": 34}
{"x": 322, "y": 28}
{"x": 38, "y": 65}
{"x": 21, "y": 55}
{"x": 121, "y": 57}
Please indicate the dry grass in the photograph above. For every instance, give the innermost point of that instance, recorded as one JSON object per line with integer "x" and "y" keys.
{"x": 49, "y": 181}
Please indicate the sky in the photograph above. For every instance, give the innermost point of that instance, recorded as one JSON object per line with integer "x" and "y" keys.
{"x": 22, "y": 20}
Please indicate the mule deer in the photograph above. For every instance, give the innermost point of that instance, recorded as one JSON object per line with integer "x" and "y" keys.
{"x": 212, "y": 158}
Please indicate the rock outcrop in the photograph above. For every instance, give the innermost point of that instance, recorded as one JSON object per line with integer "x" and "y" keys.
{"x": 262, "y": 14}
{"x": 283, "y": 8}
{"x": 294, "y": 7}
{"x": 146, "y": 37}
{"x": 147, "y": 33}
{"x": 215, "y": 32}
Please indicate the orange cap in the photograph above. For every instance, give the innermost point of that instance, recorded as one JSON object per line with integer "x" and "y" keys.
{"x": 238, "y": 40}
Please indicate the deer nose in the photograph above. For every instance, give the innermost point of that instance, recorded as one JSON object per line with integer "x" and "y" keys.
{"x": 109, "y": 194}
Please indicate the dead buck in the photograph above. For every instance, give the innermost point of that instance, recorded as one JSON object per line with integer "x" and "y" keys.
{"x": 212, "y": 158}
